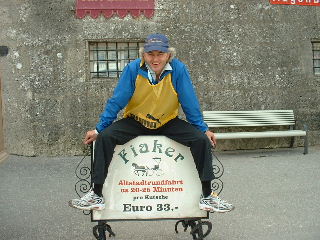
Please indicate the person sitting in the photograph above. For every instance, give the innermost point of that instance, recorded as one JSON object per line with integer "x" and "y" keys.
{"x": 151, "y": 89}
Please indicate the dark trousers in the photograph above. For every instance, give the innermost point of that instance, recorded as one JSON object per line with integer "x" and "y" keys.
{"x": 122, "y": 131}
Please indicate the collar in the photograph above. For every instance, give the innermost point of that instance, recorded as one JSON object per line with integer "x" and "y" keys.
{"x": 152, "y": 75}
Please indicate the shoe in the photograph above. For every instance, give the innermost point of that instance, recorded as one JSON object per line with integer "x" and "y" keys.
{"x": 213, "y": 203}
{"x": 90, "y": 201}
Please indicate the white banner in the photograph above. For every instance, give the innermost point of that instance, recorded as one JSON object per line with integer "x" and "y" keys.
{"x": 151, "y": 177}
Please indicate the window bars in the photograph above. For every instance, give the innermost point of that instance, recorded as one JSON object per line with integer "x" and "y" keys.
{"x": 107, "y": 59}
{"x": 316, "y": 57}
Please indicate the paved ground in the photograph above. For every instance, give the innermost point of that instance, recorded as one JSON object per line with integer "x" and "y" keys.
{"x": 276, "y": 194}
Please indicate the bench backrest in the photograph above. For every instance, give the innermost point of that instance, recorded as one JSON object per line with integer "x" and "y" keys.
{"x": 249, "y": 118}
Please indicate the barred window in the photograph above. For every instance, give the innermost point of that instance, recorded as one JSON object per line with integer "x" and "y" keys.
{"x": 316, "y": 57}
{"x": 107, "y": 59}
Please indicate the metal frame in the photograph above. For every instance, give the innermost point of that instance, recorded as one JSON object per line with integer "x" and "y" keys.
{"x": 83, "y": 172}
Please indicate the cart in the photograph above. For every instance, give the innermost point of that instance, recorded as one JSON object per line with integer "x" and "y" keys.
{"x": 146, "y": 178}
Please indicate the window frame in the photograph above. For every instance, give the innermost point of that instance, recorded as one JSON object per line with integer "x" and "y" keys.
{"x": 122, "y": 47}
{"x": 316, "y": 56}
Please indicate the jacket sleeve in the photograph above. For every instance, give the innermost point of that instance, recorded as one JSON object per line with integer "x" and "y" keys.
{"x": 188, "y": 98}
{"x": 121, "y": 96}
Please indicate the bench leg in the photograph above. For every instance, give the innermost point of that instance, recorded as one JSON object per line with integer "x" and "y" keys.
{"x": 306, "y": 141}
{"x": 292, "y": 138}
{"x": 292, "y": 142}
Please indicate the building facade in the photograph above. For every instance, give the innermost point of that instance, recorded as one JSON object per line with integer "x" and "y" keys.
{"x": 59, "y": 70}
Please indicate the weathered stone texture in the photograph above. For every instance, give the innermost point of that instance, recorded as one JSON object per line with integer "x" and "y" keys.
{"x": 242, "y": 55}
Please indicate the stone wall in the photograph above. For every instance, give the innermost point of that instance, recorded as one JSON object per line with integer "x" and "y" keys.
{"x": 244, "y": 55}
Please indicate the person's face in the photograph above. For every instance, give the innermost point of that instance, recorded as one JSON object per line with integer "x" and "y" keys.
{"x": 156, "y": 60}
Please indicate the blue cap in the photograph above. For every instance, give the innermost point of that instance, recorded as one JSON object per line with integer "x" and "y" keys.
{"x": 158, "y": 42}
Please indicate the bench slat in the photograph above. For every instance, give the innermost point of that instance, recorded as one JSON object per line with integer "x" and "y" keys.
{"x": 266, "y": 134}
{"x": 219, "y": 115}
{"x": 254, "y": 111}
{"x": 249, "y": 118}
{"x": 245, "y": 122}
{"x": 243, "y": 125}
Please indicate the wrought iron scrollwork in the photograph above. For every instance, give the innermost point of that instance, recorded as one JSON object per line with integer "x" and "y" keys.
{"x": 196, "y": 228}
{"x": 218, "y": 170}
{"x": 83, "y": 173}
{"x": 99, "y": 231}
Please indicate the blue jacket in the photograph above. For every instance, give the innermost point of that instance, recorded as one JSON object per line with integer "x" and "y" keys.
{"x": 181, "y": 81}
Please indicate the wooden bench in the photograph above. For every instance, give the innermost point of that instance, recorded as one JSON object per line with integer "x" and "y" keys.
{"x": 260, "y": 118}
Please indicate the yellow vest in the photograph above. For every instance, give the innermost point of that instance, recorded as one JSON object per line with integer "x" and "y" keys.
{"x": 153, "y": 105}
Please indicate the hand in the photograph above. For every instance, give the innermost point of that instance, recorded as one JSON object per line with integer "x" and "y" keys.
{"x": 90, "y": 137}
{"x": 212, "y": 138}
